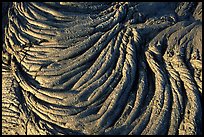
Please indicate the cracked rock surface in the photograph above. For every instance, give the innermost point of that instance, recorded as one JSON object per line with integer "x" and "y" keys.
{"x": 102, "y": 68}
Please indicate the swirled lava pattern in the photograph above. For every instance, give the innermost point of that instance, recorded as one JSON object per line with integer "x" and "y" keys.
{"x": 118, "y": 68}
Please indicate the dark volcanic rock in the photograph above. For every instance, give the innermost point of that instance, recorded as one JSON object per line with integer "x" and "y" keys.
{"x": 117, "y": 68}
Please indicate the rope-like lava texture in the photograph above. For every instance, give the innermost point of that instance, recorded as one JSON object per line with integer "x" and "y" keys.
{"x": 104, "y": 68}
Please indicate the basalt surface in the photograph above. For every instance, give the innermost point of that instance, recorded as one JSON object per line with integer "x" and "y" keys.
{"x": 82, "y": 68}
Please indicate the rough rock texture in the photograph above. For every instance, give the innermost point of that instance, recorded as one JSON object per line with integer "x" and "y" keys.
{"x": 102, "y": 68}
